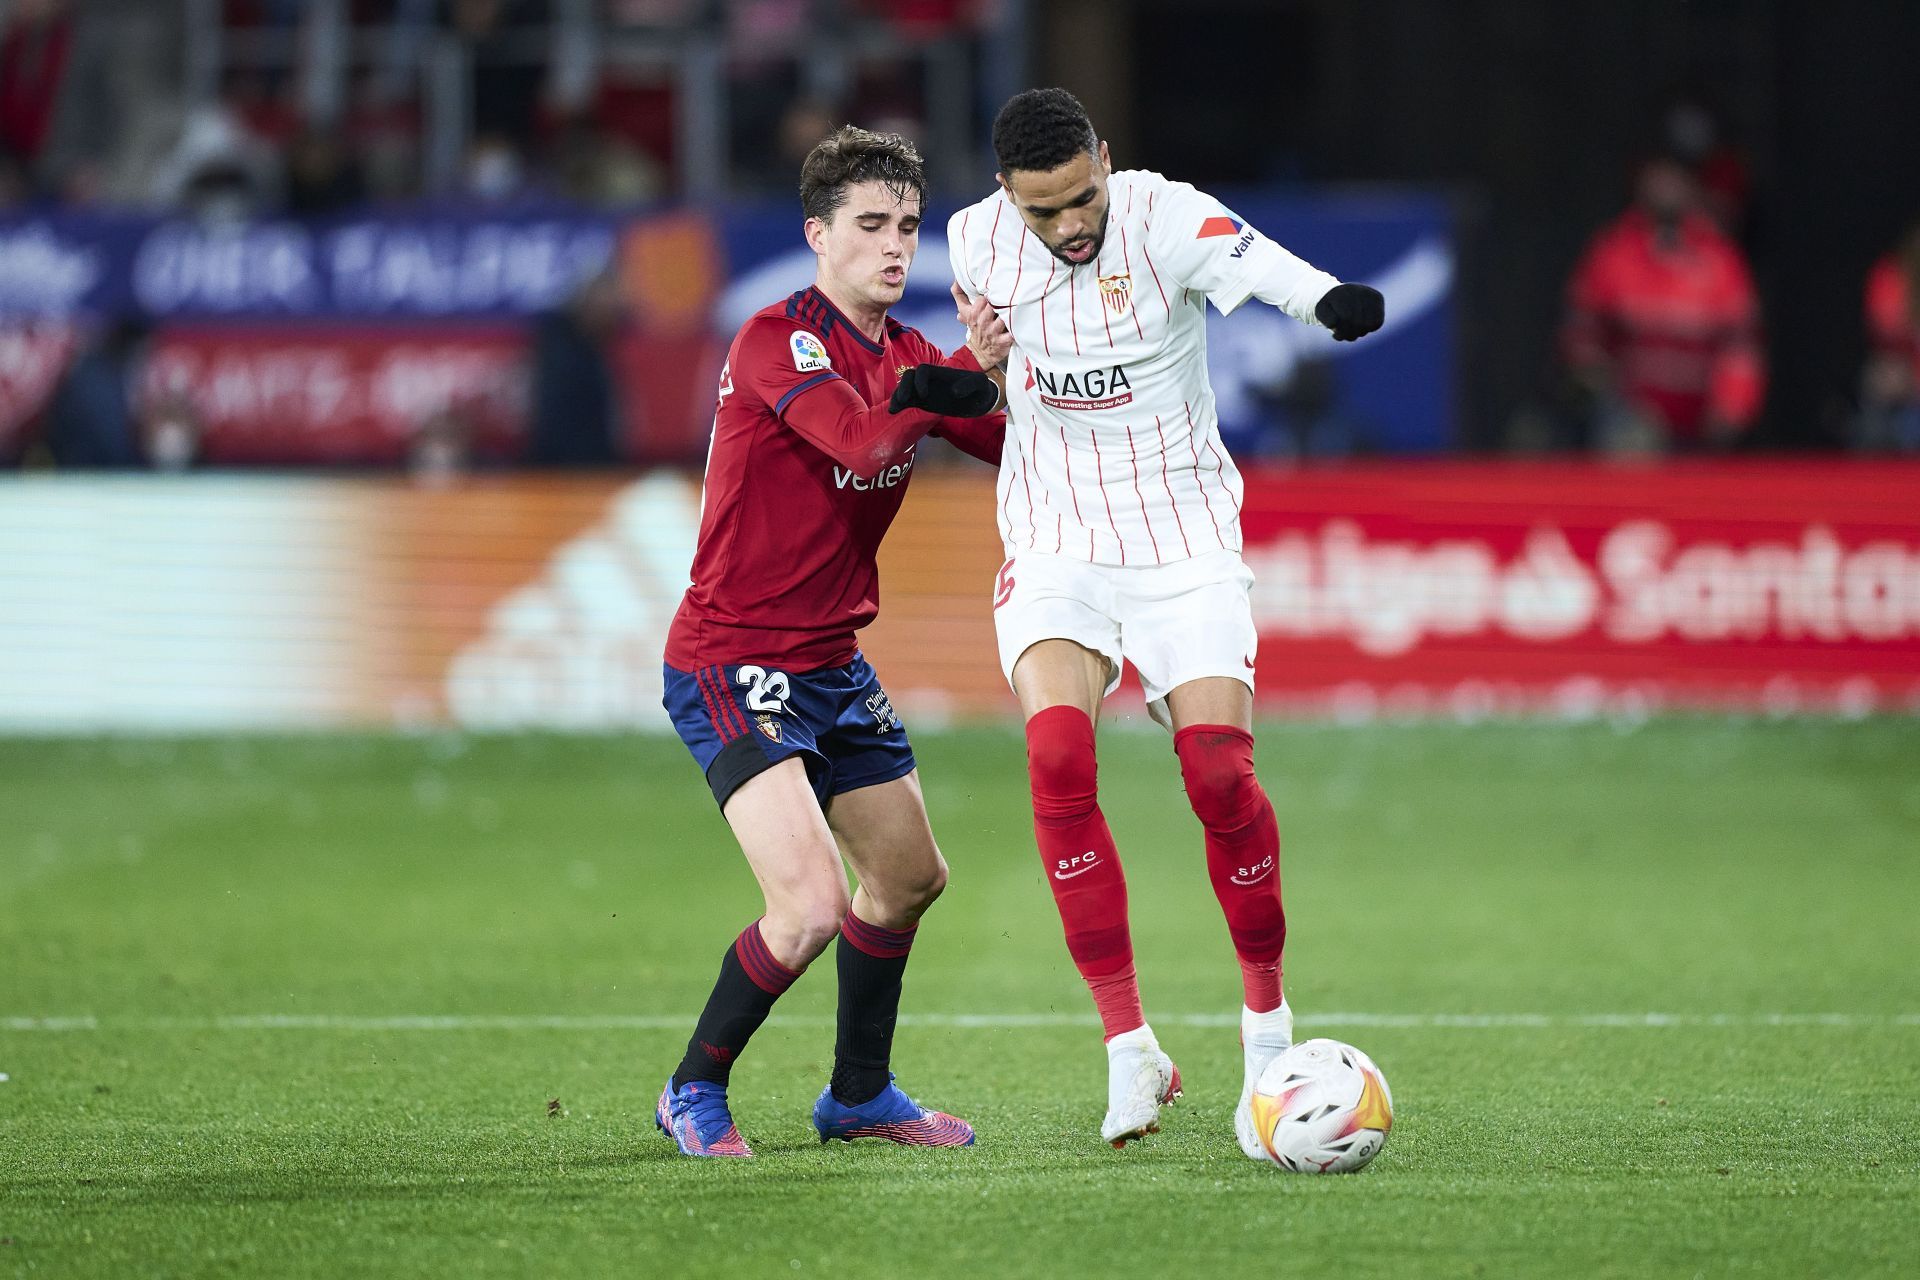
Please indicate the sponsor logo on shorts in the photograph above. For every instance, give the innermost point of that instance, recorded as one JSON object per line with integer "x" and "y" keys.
{"x": 1080, "y": 864}
{"x": 881, "y": 708}
{"x": 1254, "y": 874}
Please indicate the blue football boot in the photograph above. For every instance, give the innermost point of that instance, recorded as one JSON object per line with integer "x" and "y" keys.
{"x": 695, "y": 1116}
{"x": 893, "y": 1116}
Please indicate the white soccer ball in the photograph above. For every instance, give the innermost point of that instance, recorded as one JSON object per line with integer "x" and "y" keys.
{"x": 1322, "y": 1107}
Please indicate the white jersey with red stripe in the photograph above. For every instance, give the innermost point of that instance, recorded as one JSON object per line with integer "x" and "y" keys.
{"x": 1113, "y": 450}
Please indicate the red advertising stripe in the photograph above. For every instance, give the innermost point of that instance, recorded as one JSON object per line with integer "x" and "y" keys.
{"x": 293, "y": 394}
{"x": 1755, "y": 584}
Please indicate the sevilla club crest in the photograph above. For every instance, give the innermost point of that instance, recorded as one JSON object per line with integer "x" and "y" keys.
{"x": 1117, "y": 291}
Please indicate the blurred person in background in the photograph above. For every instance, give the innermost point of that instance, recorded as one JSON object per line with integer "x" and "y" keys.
{"x": 120, "y": 107}
{"x": 1303, "y": 417}
{"x": 440, "y": 450}
{"x": 890, "y": 93}
{"x": 596, "y": 166}
{"x": 765, "y": 43}
{"x": 1663, "y": 325}
{"x": 99, "y": 417}
{"x": 34, "y": 46}
{"x": 1695, "y": 135}
{"x": 218, "y": 172}
{"x": 1890, "y": 382}
{"x": 92, "y": 419}
{"x": 16, "y": 187}
{"x": 322, "y": 178}
{"x": 504, "y": 88}
{"x": 575, "y": 420}
{"x": 802, "y": 125}
{"x": 494, "y": 172}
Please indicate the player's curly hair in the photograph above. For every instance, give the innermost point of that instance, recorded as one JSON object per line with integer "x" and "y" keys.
{"x": 1041, "y": 129}
{"x": 851, "y": 155}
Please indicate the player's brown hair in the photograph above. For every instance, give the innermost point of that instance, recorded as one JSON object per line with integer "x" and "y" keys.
{"x": 851, "y": 155}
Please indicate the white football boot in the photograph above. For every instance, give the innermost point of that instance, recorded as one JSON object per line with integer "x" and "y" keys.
{"x": 1140, "y": 1080}
{"x": 1263, "y": 1037}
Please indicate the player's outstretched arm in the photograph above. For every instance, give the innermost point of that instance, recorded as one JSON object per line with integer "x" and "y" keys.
{"x": 1351, "y": 311}
{"x": 1207, "y": 247}
{"x": 834, "y": 419}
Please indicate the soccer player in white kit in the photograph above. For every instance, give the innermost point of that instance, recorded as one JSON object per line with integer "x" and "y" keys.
{"x": 1120, "y": 512}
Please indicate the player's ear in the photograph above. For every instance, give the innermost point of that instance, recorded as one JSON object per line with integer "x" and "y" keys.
{"x": 816, "y": 233}
{"x": 1106, "y": 161}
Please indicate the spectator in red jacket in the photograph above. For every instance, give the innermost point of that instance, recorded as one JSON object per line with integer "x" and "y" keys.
{"x": 1663, "y": 326}
{"x": 1890, "y": 384}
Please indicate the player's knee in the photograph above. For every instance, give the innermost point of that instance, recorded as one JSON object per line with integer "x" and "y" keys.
{"x": 932, "y": 884}
{"x": 805, "y": 923}
{"x": 818, "y": 926}
{"x": 1218, "y": 772}
{"x": 905, "y": 895}
{"x": 1220, "y": 798}
{"x": 1061, "y": 764}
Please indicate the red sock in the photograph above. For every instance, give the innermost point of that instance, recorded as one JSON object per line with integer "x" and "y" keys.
{"x": 1243, "y": 850}
{"x": 1082, "y": 866}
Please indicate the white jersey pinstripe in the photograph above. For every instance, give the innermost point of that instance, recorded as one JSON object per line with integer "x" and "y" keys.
{"x": 1113, "y": 450}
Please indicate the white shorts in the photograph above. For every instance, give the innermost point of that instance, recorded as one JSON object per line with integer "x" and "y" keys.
{"x": 1174, "y": 622}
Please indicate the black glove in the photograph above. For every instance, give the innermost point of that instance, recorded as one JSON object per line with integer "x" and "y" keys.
{"x": 951, "y": 393}
{"x": 1351, "y": 311}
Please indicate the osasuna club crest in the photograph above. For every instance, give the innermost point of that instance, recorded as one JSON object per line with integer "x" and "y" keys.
{"x": 1117, "y": 291}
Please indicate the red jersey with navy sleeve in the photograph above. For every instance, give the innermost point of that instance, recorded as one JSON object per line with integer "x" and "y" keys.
{"x": 805, "y": 474}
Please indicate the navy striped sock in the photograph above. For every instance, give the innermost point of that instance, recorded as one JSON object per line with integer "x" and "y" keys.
{"x": 750, "y": 981}
{"x": 871, "y": 961}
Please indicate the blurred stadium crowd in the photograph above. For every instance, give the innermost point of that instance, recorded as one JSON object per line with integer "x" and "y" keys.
{"x": 308, "y": 106}
{"x": 228, "y": 112}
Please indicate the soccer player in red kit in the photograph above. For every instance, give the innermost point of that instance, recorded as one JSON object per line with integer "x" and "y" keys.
{"x": 823, "y": 400}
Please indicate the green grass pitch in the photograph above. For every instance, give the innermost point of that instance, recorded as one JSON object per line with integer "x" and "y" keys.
{"x": 401, "y": 1006}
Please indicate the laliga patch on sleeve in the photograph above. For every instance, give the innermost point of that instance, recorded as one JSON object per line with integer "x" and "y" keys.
{"x": 808, "y": 354}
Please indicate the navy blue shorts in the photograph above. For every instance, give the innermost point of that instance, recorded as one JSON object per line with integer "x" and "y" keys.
{"x": 741, "y": 721}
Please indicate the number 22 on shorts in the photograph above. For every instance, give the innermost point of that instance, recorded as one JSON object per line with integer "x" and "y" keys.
{"x": 766, "y": 690}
